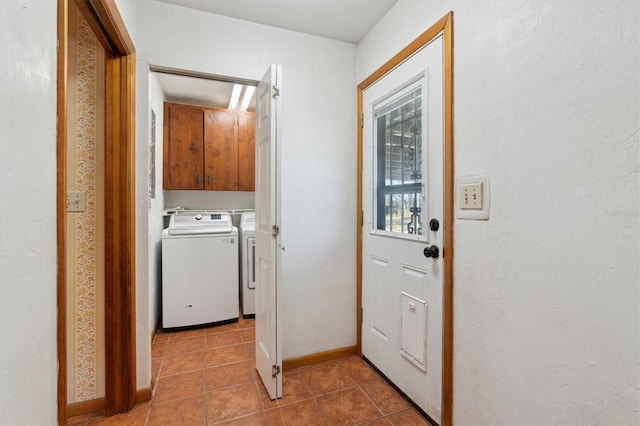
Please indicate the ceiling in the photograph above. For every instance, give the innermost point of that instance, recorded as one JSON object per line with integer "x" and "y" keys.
{"x": 197, "y": 91}
{"x": 344, "y": 20}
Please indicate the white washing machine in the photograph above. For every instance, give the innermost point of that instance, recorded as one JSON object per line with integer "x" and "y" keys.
{"x": 247, "y": 260}
{"x": 199, "y": 270}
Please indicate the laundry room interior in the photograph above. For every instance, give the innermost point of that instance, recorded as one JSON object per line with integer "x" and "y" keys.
{"x": 317, "y": 292}
{"x": 318, "y": 181}
{"x": 208, "y": 179}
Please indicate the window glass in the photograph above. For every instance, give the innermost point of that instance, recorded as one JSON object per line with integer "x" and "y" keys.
{"x": 399, "y": 162}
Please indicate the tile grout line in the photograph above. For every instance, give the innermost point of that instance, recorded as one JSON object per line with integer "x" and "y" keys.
{"x": 315, "y": 400}
{"x": 357, "y": 385}
{"x": 206, "y": 388}
{"x": 264, "y": 410}
{"x": 366, "y": 395}
{"x": 226, "y": 387}
{"x": 386, "y": 416}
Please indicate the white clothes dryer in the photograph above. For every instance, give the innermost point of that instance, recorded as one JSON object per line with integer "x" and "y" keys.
{"x": 199, "y": 270}
{"x": 247, "y": 260}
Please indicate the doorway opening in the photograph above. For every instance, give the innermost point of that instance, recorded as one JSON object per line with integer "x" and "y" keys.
{"x": 211, "y": 147}
{"x": 116, "y": 187}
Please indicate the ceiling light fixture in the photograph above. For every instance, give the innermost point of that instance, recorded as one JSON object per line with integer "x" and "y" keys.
{"x": 246, "y": 98}
{"x": 235, "y": 96}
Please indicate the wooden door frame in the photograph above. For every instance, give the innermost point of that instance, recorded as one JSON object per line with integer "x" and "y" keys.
{"x": 120, "y": 338}
{"x": 444, "y": 26}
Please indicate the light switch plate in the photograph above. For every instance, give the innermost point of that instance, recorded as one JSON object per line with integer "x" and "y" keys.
{"x": 76, "y": 202}
{"x": 472, "y": 197}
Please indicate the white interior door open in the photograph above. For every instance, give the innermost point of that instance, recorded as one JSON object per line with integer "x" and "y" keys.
{"x": 267, "y": 256}
{"x": 402, "y": 271}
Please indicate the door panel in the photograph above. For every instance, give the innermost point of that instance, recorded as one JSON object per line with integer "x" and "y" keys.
{"x": 402, "y": 178}
{"x": 220, "y": 156}
{"x": 268, "y": 350}
{"x": 414, "y": 281}
{"x": 251, "y": 263}
{"x": 379, "y": 290}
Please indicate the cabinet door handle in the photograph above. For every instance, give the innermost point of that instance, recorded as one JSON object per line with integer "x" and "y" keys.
{"x": 198, "y": 179}
{"x": 209, "y": 179}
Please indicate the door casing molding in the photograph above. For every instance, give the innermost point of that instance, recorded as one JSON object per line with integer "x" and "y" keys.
{"x": 444, "y": 26}
{"x": 120, "y": 338}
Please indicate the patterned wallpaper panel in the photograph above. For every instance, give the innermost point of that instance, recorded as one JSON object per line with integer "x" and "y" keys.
{"x": 85, "y": 230}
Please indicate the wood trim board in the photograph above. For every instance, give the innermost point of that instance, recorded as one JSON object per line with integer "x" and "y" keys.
{"x": 98, "y": 404}
{"x": 61, "y": 196}
{"x": 144, "y": 394}
{"x": 449, "y": 182}
{"x": 445, "y": 26}
{"x": 315, "y": 358}
{"x": 107, "y": 23}
{"x": 85, "y": 407}
{"x": 120, "y": 359}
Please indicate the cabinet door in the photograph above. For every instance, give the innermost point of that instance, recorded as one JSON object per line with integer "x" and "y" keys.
{"x": 246, "y": 151}
{"x": 220, "y": 150}
{"x": 183, "y": 152}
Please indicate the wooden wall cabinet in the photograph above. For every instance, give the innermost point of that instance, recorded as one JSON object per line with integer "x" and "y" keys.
{"x": 246, "y": 151}
{"x": 208, "y": 148}
{"x": 183, "y": 151}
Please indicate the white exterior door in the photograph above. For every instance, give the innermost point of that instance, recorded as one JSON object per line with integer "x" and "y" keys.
{"x": 403, "y": 136}
{"x": 268, "y": 351}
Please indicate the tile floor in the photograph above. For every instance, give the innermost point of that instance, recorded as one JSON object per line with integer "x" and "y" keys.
{"x": 207, "y": 377}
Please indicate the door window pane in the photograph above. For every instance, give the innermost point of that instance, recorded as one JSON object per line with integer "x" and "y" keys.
{"x": 398, "y": 161}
